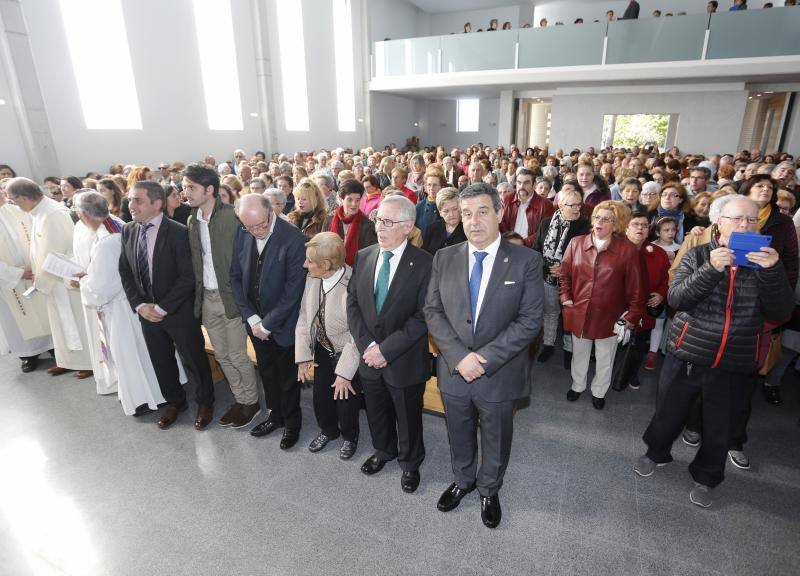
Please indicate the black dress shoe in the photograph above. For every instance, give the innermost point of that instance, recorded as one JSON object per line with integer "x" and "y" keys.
{"x": 572, "y": 395}
{"x": 490, "y": 511}
{"x": 266, "y": 427}
{"x": 141, "y": 410}
{"x": 320, "y": 442}
{"x": 598, "y": 403}
{"x": 372, "y": 465}
{"x": 290, "y": 438}
{"x": 29, "y": 364}
{"x": 409, "y": 481}
{"x": 348, "y": 449}
{"x": 451, "y": 497}
{"x": 771, "y": 393}
{"x": 546, "y": 353}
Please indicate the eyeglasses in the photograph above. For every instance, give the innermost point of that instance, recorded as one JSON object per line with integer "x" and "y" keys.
{"x": 252, "y": 229}
{"x": 739, "y": 219}
{"x": 388, "y": 223}
{"x": 672, "y": 195}
{"x": 573, "y": 206}
{"x": 603, "y": 219}
{"x": 639, "y": 225}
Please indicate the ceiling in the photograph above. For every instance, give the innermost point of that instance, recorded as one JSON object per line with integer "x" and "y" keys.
{"x": 439, "y": 6}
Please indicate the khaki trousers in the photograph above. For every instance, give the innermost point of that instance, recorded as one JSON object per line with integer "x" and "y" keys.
{"x": 229, "y": 339}
{"x": 604, "y": 351}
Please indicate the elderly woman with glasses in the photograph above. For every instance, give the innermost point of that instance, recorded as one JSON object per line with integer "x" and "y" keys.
{"x": 324, "y": 349}
{"x": 552, "y": 239}
{"x": 601, "y": 284}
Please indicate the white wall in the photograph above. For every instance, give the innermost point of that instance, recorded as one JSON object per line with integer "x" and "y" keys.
{"x": 12, "y": 148}
{"x": 709, "y": 122}
{"x": 441, "y": 124}
{"x": 321, "y": 81}
{"x": 453, "y": 22}
{"x": 393, "y": 119}
{"x": 567, "y": 12}
{"x": 166, "y": 66}
{"x": 394, "y": 19}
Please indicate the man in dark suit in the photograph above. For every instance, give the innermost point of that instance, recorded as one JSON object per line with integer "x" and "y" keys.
{"x": 384, "y": 310}
{"x": 483, "y": 308}
{"x": 268, "y": 278}
{"x": 156, "y": 270}
{"x": 451, "y": 171}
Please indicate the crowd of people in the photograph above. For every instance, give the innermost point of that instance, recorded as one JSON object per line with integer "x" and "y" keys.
{"x": 362, "y": 273}
{"x": 631, "y": 13}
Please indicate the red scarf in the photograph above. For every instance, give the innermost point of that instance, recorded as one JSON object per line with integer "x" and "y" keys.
{"x": 351, "y": 237}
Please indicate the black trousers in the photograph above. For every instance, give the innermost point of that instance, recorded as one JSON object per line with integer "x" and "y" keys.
{"x": 629, "y": 361}
{"x": 279, "y": 377}
{"x": 180, "y": 331}
{"x": 682, "y": 383}
{"x": 462, "y": 415}
{"x": 394, "y": 416}
{"x": 741, "y": 408}
{"x": 333, "y": 416}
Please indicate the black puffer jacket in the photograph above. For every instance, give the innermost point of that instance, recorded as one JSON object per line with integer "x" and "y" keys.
{"x": 721, "y": 314}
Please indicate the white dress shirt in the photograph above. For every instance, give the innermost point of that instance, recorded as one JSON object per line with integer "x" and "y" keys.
{"x": 260, "y": 245}
{"x": 521, "y": 225}
{"x": 209, "y": 274}
{"x": 394, "y": 262}
{"x": 488, "y": 264}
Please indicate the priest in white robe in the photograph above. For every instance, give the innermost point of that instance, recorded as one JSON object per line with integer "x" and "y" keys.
{"x": 24, "y": 325}
{"x": 52, "y": 231}
{"x": 82, "y": 243}
{"x": 124, "y": 356}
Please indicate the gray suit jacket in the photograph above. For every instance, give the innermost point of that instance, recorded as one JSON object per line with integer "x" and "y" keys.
{"x": 509, "y": 320}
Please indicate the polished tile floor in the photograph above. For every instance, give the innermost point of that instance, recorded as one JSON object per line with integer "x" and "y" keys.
{"x": 85, "y": 490}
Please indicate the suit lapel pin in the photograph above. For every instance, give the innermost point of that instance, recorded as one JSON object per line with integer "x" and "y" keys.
{"x": 410, "y": 263}
{"x": 505, "y": 259}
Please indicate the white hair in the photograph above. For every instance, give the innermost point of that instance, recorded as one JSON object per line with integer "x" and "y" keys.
{"x": 718, "y": 205}
{"x": 407, "y": 209}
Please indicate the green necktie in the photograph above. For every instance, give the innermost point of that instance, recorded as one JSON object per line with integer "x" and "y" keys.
{"x": 382, "y": 286}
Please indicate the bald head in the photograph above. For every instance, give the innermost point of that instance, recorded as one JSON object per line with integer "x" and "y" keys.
{"x": 255, "y": 213}
{"x": 25, "y": 193}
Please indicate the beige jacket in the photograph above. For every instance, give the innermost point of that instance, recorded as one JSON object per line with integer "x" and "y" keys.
{"x": 335, "y": 325}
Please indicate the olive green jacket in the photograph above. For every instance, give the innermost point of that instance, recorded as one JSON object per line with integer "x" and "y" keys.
{"x": 222, "y": 228}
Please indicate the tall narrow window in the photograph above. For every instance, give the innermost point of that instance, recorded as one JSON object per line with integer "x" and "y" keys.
{"x": 215, "y": 42}
{"x": 468, "y": 115}
{"x": 345, "y": 73}
{"x": 293, "y": 65}
{"x": 98, "y": 43}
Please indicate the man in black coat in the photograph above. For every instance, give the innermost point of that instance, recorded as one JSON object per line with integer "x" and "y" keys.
{"x": 156, "y": 270}
{"x": 384, "y": 310}
{"x": 267, "y": 279}
{"x": 632, "y": 11}
{"x": 713, "y": 343}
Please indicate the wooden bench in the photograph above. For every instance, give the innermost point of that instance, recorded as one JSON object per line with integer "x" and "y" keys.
{"x": 432, "y": 400}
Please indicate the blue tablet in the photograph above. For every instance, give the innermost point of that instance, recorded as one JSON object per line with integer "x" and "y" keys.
{"x": 743, "y": 242}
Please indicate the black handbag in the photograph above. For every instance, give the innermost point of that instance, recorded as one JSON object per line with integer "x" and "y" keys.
{"x": 624, "y": 365}
{"x": 655, "y": 311}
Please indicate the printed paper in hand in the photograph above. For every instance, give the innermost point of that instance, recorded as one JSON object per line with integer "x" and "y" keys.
{"x": 61, "y": 266}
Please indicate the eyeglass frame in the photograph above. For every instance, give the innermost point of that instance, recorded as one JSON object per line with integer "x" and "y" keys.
{"x": 387, "y": 222}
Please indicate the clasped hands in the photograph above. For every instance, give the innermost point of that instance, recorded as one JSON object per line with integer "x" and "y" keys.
{"x": 373, "y": 357}
{"x": 149, "y": 313}
{"x": 471, "y": 366}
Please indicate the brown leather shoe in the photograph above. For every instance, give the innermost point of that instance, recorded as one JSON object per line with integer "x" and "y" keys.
{"x": 83, "y": 374}
{"x": 205, "y": 414}
{"x": 170, "y": 414}
{"x": 57, "y": 370}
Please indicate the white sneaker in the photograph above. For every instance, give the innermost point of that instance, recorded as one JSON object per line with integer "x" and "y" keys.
{"x": 739, "y": 459}
{"x": 645, "y": 467}
{"x": 700, "y": 495}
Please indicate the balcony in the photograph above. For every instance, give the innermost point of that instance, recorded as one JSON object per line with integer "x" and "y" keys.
{"x": 698, "y": 46}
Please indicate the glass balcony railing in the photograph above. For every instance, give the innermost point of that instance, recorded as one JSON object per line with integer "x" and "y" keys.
{"x": 750, "y": 34}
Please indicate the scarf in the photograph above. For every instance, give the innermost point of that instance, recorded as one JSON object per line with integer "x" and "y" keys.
{"x": 554, "y": 244}
{"x": 763, "y": 215}
{"x": 351, "y": 237}
{"x": 113, "y": 225}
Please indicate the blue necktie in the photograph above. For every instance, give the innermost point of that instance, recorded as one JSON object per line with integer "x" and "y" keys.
{"x": 475, "y": 284}
{"x": 142, "y": 260}
{"x": 382, "y": 285}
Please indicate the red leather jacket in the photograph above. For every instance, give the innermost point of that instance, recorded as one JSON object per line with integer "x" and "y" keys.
{"x": 602, "y": 286}
{"x": 655, "y": 269}
{"x": 538, "y": 209}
